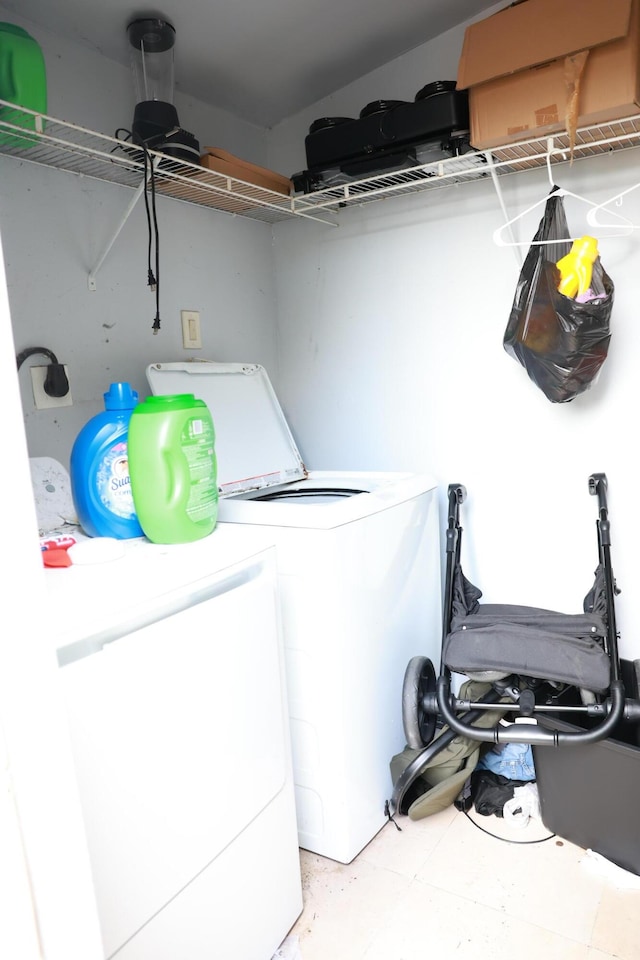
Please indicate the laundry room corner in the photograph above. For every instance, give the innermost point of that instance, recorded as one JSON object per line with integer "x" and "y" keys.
{"x": 320, "y": 364}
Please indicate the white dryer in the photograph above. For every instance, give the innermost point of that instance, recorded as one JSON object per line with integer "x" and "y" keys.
{"x": 358, "y": 558}
{"x": 172, "y": 677}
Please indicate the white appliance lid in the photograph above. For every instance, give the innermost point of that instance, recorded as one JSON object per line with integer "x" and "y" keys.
{"x": 254, "y": 445}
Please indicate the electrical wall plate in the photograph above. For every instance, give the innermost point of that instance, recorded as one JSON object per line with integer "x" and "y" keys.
{"x": 41, "y": 399}
{"x": 191, "y": 335}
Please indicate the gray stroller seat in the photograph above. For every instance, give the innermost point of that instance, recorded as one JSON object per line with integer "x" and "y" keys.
{"x": 491, "y": 641}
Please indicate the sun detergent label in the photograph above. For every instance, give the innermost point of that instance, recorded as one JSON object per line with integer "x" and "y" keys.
{"x": 113, "y": 482}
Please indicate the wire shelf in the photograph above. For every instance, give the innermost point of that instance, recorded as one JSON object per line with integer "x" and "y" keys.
{"x": 416, "y": 179}
{"x": 525, "y": 155}
{"x": 41, "y": 139}
{"x": 590, "y": 141}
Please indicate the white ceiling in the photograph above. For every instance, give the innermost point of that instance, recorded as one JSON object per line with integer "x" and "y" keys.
{"x": 262, "y": 60}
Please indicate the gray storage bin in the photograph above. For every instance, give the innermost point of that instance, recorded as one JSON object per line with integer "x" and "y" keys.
{"x": 589, "y": 794}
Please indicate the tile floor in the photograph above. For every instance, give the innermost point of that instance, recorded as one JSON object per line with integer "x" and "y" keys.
{"x": 443, "y": 890}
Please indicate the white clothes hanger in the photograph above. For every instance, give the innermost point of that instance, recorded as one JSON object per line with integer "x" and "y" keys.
{"x": 592, "y": 215}
{"x": 556, "y": 191}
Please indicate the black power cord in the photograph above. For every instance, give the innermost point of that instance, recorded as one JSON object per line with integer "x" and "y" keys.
{"x": 153, "y": 279}
{"x": 56, "y": 383}
{"x": 507, "y": 839}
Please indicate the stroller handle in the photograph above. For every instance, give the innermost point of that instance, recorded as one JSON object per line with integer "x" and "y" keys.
{"x": 456, "y": 494}
{"x": 531, "y": 732}
{"x": 598, "y": 487}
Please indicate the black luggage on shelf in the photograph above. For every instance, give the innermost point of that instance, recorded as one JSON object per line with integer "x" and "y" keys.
{"x": 388, "y": 134}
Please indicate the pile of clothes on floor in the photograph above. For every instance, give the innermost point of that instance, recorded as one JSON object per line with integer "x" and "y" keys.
{"x": 499, "y": 780}
{"x": 503, "y": 784}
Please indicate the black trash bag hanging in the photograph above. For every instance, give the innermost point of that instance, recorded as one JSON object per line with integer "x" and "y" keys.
{"x": 561, "y": 342}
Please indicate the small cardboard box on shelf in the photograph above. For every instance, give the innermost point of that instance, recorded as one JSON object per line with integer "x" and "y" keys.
{"x": 221, "y": 161}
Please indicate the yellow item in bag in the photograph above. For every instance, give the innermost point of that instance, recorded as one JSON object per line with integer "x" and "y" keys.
{"x": 577, "y": 266}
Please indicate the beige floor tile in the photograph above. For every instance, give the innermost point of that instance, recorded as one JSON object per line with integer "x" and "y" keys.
{"x": 617, "y": 926}
{"x": 345, "y": 907}
{"x": 406, "y": 850}
{"x": 441, "y": 889}
{"x": 593, "y": 954}
{"x": 542, "y": 883}
{"x": 431, "y": 923}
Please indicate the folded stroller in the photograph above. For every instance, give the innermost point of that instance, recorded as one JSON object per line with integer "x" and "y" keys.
{"x": 534, "y": 663}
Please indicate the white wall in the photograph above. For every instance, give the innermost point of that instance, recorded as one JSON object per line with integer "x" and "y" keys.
{"x": 56, "y": 225}
{"x": 390, "y": 335}
{"x": 400, "y": 79}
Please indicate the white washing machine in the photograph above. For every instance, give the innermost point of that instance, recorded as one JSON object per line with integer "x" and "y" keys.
{"x": 358, "y": 558}
{"x": 172, "y": 676}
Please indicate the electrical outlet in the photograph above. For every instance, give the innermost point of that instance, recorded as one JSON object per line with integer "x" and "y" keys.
{"x": 41, "y": 399}
{"x": 191, "y": 338}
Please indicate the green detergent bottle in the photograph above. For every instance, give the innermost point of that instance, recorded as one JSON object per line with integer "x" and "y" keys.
{"x": 23, "y": 81}
{"x": 173, "y": 470}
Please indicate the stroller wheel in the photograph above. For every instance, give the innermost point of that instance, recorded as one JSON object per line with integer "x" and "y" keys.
{"x": 419, "y": 681}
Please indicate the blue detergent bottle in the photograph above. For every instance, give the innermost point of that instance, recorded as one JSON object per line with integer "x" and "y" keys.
{"x": 100, "y": 483}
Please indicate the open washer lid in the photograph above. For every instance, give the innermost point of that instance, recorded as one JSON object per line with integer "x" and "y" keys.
{"x": 254, "y": 445}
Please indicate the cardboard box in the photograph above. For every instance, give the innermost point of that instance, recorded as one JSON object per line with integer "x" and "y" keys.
{"x": 513, "y": 64}
{"x": 210, "y": 187}
{"x": 223, "y": 162}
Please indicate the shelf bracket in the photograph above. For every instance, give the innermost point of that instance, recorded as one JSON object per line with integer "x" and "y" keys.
{"x": 91, "y": 279}
{"x": 498, "y": 188}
